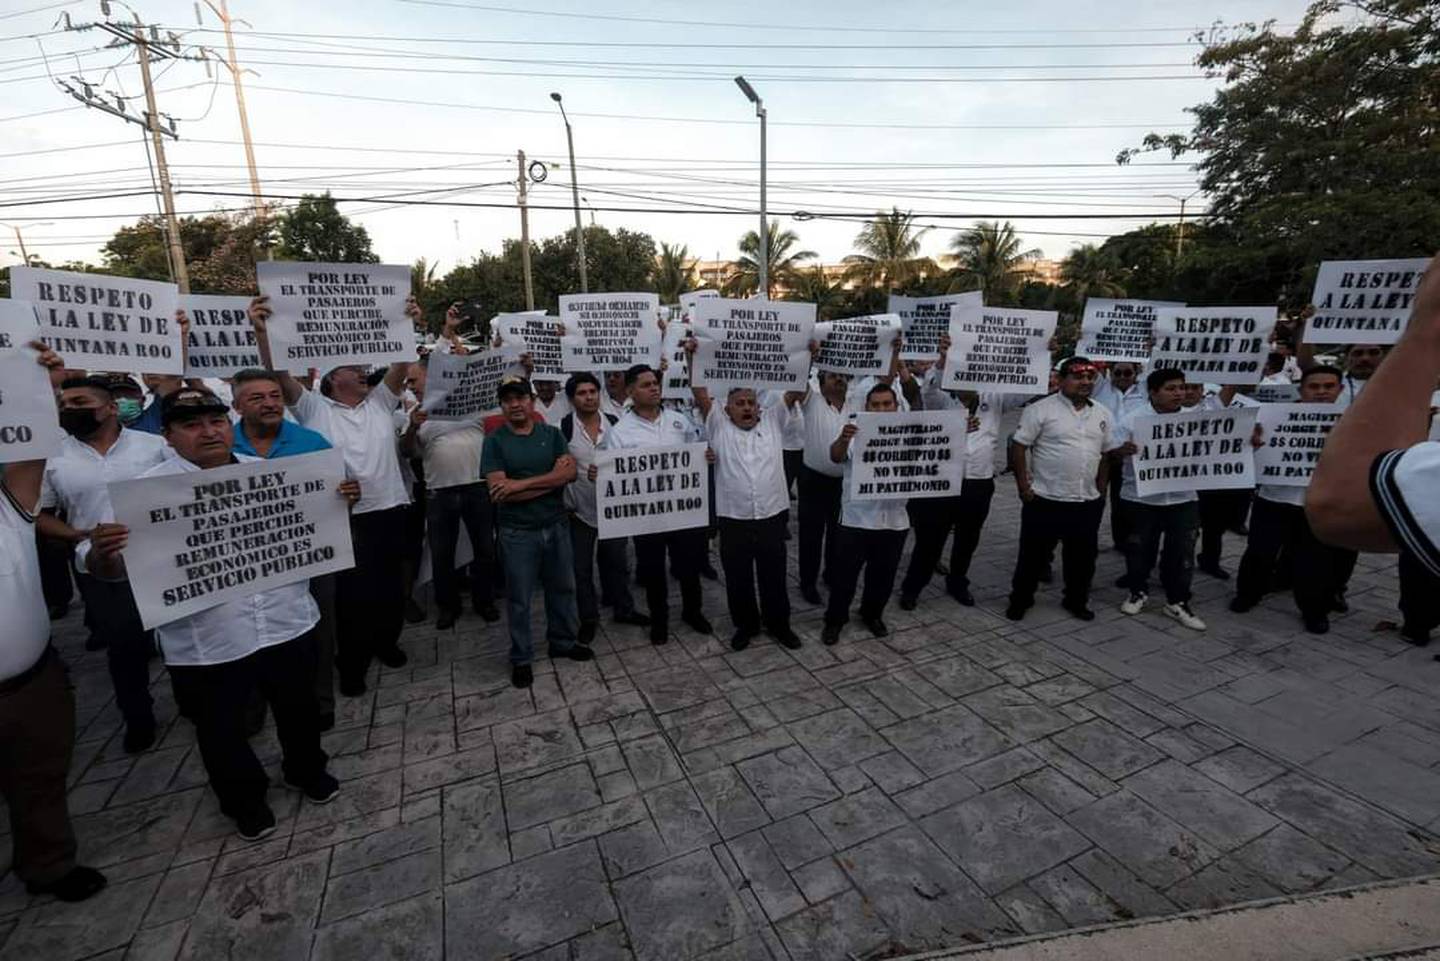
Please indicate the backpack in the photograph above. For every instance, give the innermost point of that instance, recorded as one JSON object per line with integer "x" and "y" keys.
{"x": 567, "y": 424}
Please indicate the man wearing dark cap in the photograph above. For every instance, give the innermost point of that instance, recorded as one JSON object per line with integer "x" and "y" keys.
{"x": 99, "y": 451}
{"x": 218, "y": 657}
{"x": 526, "y": 466}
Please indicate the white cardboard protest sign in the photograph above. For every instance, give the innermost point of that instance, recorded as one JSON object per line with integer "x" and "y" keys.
{"x": 1194, "y": 450}
{"x": 537, "y": 334}
{"x": 337, "y": 315}
{"x": 103, "y": 323}
{"x": 1291, "y": 439}
{"x": 999, "y": 349}
{"x": 1276, "y": 393}
{"x": 459, "y": 386}
{"x": 222, "y": 341}
{"x": 857, "y": 346}
{"x": 905, "y": 455}
{"x": 651, "y": 490}
{"x": 761, "y": 344}
{"x": 675, "y": 382}
{"x": 1118, "y": 330}
{"x": 1219, "y": 345}
{"x": 690, "y": 298}
{"x": 609, "y": 331}
{"x": 924, "y": 320}
{"x": 201, "y": 538}
{"x": 1363, "y": 301}
{"x": 29, "y": 422}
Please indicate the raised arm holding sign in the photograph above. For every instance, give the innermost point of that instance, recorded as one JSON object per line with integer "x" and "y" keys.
{"x": 100, "y": 322}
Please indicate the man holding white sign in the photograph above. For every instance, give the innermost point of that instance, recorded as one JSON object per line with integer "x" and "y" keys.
{"x": 238, "y": 528}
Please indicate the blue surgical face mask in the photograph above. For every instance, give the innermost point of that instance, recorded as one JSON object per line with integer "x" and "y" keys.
{"x": 129, "y": 409}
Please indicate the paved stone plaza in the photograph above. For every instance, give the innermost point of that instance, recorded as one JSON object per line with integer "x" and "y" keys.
{"x": 968, "y": 779}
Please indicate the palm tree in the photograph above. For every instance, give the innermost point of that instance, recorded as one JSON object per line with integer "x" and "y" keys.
{"x": 783, "y": 261}
{"x": 991, "y": 257}
{"x": 422, "y": 276}
{"x": 1091, "y": 272}
{"x": 889, "y": 252}
{"x": 674, "y": 274}
{"x": 811, "y": 286}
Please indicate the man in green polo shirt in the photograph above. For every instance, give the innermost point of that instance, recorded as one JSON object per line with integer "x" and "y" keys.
{"x": 526, "y": 466}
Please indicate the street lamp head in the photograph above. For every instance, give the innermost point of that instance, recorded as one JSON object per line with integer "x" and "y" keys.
{"x": 748, "y": 90}
{"x": 555, "y": 96}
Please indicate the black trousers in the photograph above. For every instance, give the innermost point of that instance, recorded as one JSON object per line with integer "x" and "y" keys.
{"x": 55, "y": 563}
{"x": 933, "y": 519}
{"x": 1419, "y": 594}
{"x": 370, "y": 597}
{"x": 37, "y": 736}
{"x": 878, "y": 552}
{"x": 445, "y": 510}
{"x": 819, "y": 510}
{"x": 609, "y": 556}
{"x": 793, "y": 461}
{"x": 215, "y": 696}
{"x": 1119, "y": 522}
{"x": 1220, "y": 511}
{"x": 1318, "y": 571}
{"x": 111, "y": 610}
{"x": 1176, "y": 525}
{"x": 686, "y": 549}
{"x": 1075, "y": 526}
{"x": 753, "y": 552}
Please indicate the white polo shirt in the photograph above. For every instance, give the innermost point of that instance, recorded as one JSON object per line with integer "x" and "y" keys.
{"x": 76, "y": 480}
{"x": 608, "y": 405}
{"x": 822, "y": 425}
{"x": 450, "y": 450}
{"x": 879, "y": 515}
{"x": 749, "y": 464}
{"x": 554, "y": 411}
{"x": 1350, "y": 389}
{"x": 580, "y": 493}
{"x": 365, "y": 435}
{"x": 238, "y": 628}
{"x": 671, "y": 427}
{"x": 27, "y": 623}
{"x": 794, "y": 433}
{"x": 1065, "y": 444}
{"x": 1124, "y": 432}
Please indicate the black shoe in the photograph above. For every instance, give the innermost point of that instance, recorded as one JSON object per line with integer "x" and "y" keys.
{"x": 489, "y": 612}
{"x": 659, "y": 632}
{"x": 633, "y": 618}
{"x": 139, "y": 737}
{"x": 1339, "y": 605}
{"x": 327, "y": 721}
{"x": 256, "y": 824}
{"x": 1215, "y": 571}
{"x": 521, "y": 675}
{"x": 708, "y": 572}
{"x": 830, "y": 634}
{"x": 414, "y": 613}
{"x": 95, "y": 642}
{"x": 58, "y": 611}
{"x": 321, "y": 789}
{"x": 391, "y": 657}
{"x": 352, "y": 686}
{"x": 962, "y": 595}
{"x": 740, "y": 640}
{"x": 586, "y": 634}
{"x": 1416, "y": 636}
{"x": 1079, "y": 610}
{"x": 1016, "y": 611}
{"x": 575, "y": 652}
{"x": 1317, "y": 624}
{"x": 876, "y": 626}
{"x": 697, "y": 622}
{"x": 908, "y": 602}
{"x": 1239, "y": 605}
{"x": 1047, "y": 576}
{"x": 786, "y": 638}
{"x": 446, "y": 620}
{"x": 811, "y": 595}
{"x": 79, "y": 884}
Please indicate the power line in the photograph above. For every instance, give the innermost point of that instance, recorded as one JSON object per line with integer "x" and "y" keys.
{"x": 48, "y": 6}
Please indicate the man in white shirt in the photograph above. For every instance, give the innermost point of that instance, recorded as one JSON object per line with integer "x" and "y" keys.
{"x": 824, "y": 410}
{"x": 360, "y": 421}
{"x": 1222, "y": 510}
{"x": 37, "y": 704}
{"x": 793, "y": 444}
{"x": 96, "y": 452}
{"x": 1118, "y": 390}
{"x": 872, "y": 536}
{"x": 551, "y": 402}
{"x": 1056, "y": 454}
{"x": 455, "y": 495}
{"x": 1171, "y": 516}
{"x": 584, "y": 429}
{"x": 219, "y": 656}
{"x": 1278, "y": 527}
{"x": 647, "y": 424}
{"x": 615, "y": 399}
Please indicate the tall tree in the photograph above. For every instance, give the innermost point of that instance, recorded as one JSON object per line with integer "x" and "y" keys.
{"x": 219, "y": 251}
{"x": 782, "y": 257}
{"x": 315, "y": 229}
{"x": 991, "y": 257}
{"x": 888, "y": 254}
{"x": 1089, "y": 271}
{"x": 674, "y": 273}
{"x": 810, "y": 285}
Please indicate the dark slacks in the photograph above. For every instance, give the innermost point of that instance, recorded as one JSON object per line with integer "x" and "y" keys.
{"x": 609, "y": 556}
{"x": 112, "y": 612}
{"x": 1119, "y": 522}
{"x": 933, "y": 519}
{"x": 1318, "y": 571}
{"x": 878, "y": 552}
{"x": 753, "y": 552}
{"x": 819, "y": 516}
{"x": 215, "y": 696}
{"x": 37, "y": 735}
{"x": 1176, "y": 525}
{"x": 686, "y": 549}
{"x": 793, "y": 460}
{"x": 1220, "y": 511}
{"x": 1419, "y": 594}
{"x": 445, "y": 510}
{"x": 1075, "y": 526}
{"x": 55, "y": 563}
{"x": 370, "y": 597}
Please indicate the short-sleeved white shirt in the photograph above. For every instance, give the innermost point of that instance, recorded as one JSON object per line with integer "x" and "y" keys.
{"x": 671, "y": 427}
{"x": 867, "y": 515}
{"x": 1065, "y": 444}
{"x": 749, "y": 464}
{"x": 1403, "y": 483}
{"x": 580, "y": 493}
{"x": 365, "y": 435}
{"x": 27, "y": 622}
{"x": 450, "y": 450}
{"x": 76, "y": 480}
{"x": 1124, "y": 432}
{"x": 554, "y": 411}
{"x": 822, "y": 425}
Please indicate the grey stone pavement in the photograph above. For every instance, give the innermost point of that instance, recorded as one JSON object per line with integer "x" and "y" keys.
{"x": 966, "y": 779}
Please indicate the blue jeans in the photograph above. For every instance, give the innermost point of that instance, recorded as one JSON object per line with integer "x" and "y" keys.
{"x": 545, "y": 558}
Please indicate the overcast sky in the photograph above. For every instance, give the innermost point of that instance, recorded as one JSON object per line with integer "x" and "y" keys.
{"x": 1000, "y": 114}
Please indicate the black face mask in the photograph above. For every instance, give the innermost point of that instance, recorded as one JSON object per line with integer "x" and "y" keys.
{"x": 79, "y": 422}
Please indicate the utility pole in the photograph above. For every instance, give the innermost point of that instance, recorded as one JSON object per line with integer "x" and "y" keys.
{"x": 261, "y": 212}
{"x": 152, "y": 120}
{"x": 762, "y": 289}
{"x": 575, "y": 195}
{"x": 522, "y": 185}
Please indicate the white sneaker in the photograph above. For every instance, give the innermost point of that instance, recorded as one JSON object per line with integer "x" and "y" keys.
{"x": 1135, "y": 604}
{"x": 1182, "y": 613}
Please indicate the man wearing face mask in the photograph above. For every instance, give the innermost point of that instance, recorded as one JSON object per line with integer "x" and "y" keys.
{"x": 98, "y": 451}
{"x": 129, "y": 398}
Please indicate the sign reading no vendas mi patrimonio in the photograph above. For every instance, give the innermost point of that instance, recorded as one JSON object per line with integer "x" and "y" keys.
{"x": 904, "y": 455}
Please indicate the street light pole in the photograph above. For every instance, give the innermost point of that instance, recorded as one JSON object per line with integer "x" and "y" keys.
{"x": 575, "y": 195}
{"x": 1180, "y": 227}
{"x": 763, "y": 260}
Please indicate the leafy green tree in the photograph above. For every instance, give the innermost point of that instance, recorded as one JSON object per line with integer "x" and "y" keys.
{"x": 889, "y": 252}
{"x": 315, "y": 229}
{"x": 1089, "y": 271}
{"x": 991, "y": 258}
{"x": 810, "y": 285}
{"x": 783, "y": 261}
{"x": 674, "y": 274}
